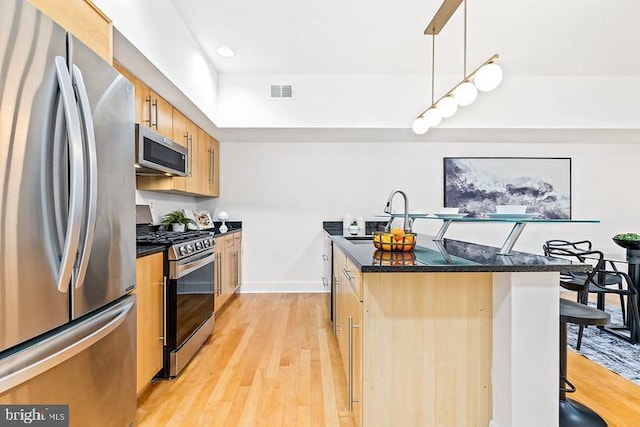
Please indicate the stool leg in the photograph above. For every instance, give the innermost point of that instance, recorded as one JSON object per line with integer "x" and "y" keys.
{"x": 563, "y": 360}
{"x": 572, "y": 413}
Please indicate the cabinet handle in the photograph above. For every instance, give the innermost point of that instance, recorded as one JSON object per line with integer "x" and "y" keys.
{"x": 211, "y": 166}
{"x": 351, "y": 328}
{"x": 148, "y": 100}
{"x": 220, "y": 274}
{"x": 164, "y": 311}
{"x": 155, "y": 107}
{"x": 189, "y": 153}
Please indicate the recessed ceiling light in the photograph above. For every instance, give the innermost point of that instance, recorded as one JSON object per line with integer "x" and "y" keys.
{"x": 225, "y": 51}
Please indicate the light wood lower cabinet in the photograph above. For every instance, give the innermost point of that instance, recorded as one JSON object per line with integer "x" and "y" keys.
{"x": 228, "y": 249}
{"x": 150, "y": 294}
{"x": 416, "y": 347}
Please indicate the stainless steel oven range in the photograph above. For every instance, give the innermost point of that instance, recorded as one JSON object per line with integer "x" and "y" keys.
{"x": 189, "y": 293}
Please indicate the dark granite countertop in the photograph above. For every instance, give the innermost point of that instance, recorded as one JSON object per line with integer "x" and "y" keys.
{"x": 144, "y": 250}
{"x": 445, "y": 256}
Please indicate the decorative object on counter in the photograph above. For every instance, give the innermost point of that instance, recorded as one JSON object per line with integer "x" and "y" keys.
{"x": 353, "y": 227}
{"x": 223, "y": 216}
{"x": 478, "y": 184}
{"x": 204, "y": 220}
{"x": 346, "y": 221}
{"x": 511, "y": 209}
{"x": 188, "y": 213}
{"x": 381, "y": 257}
{"x": 396, "y": 241}
{"x": 177, "y": 220}
{"x": 485, "y": 78}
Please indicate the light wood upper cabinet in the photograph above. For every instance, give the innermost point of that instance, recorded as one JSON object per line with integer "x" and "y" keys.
{"x": 149, "y": 318}
{"x": 141, "y": 90}
{"x": 161, "y": 115}
{"x": 203, "y": 166}
{"x": 209, "y": 165}
{"x": 84, "y": 20}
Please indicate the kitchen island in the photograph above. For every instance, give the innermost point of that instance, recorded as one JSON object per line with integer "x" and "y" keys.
{"x": 450, "y": 334}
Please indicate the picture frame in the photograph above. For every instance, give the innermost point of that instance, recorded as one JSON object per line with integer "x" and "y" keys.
{"x": 477, "y": 184}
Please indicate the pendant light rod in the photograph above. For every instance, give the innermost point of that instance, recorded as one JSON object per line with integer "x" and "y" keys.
{"x": 464, "y": 69}
{"x": 433, "y": 65}
{"x": 467, "y": 78}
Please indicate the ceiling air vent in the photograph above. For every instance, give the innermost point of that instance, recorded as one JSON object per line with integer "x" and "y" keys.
{"x": 281, "y": 92}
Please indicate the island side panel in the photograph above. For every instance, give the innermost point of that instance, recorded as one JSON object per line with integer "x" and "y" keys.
{"x": 427, "y": 342}
{"x": 525, "y": 349}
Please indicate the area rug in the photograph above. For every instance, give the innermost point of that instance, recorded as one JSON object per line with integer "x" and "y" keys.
{"x": 608, "y": 350}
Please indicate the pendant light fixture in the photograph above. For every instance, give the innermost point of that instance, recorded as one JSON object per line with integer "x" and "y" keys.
{"x": 485, "y": 78}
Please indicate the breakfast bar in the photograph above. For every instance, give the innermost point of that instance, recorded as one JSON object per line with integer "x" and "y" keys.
{"x": 452, "y": 333}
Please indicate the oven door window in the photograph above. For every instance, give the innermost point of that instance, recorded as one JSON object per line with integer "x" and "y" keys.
{"x": 194, "y": 300}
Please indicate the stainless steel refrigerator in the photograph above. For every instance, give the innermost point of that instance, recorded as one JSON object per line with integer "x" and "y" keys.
{"x": 67, "y": 226}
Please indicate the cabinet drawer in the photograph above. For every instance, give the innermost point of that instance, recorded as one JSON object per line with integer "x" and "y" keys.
{"x": 354, "y": 277}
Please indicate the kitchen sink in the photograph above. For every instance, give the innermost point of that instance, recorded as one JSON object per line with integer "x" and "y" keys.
{"x": 359, "y": 240}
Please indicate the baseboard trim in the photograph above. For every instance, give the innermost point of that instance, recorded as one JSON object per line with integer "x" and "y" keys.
{"x": 282, "y": 287}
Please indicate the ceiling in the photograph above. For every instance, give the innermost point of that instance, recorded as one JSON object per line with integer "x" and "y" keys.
{"x": 542, "y": 37}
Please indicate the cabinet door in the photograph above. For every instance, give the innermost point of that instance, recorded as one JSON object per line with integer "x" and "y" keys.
{"x": 84, "y": 20}
{"x": 354, "y": 362}
{"x": 210, "y": 164}
{"x": 150, "y": 289}
{"x": 229, "y": 267}
{"x": 194, "y": 144}
{"x": 179, "y": 134}
{"x": 218, "y": 300}
{"x": 141, "y": 91}
{"x": 162, "y": 116}
{"x": 237, "y": 250}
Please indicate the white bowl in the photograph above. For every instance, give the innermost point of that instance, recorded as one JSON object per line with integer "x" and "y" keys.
{"x": 449, "y": 210}
{"x": 511, "y": 209}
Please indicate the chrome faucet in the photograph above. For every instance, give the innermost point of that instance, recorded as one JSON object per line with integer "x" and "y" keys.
{"x": 387, "y": 209}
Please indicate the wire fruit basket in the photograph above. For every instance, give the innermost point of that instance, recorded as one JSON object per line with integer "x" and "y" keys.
{"x": 394, "y": 242}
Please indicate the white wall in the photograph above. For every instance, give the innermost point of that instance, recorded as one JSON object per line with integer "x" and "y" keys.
{"x": 157, "y": 32}
{"x": 393, "y": 101}
{"x": 283, "y": 191}
{"x": 163, "y": 203}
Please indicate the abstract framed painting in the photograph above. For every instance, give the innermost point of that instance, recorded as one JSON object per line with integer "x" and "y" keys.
{"x": 477, "y": 184}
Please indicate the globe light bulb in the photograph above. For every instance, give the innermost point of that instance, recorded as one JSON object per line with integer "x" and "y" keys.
{"x": 432, "y": 116}
{"x": 420, "y": 126}
{"x": 447, "y": 106}
{"x": 465, "y": 94}
{"x": 488, "y": 77}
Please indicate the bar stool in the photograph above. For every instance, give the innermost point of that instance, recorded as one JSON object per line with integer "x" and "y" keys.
{"x": 572, "y": 413}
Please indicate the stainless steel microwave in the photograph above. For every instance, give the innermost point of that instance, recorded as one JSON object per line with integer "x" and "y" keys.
{"x": 157, "y": 155}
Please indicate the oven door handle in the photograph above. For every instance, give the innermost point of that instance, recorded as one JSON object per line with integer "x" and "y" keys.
{"x": 191, "y": 265}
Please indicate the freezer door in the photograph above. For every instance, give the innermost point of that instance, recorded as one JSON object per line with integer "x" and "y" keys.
{"x": 107, "y": 249}
{"x": 90, "y": 367}
{"x": 33, "y": 166}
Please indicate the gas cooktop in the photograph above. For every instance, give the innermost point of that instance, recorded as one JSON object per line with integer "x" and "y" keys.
{"x": 181, "y": 244}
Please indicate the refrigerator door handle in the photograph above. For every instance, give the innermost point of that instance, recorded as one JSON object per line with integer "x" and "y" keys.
{"x": 27, "y": 364}
{"x": 91, "y": 195}
{"x": 76, "y": 175}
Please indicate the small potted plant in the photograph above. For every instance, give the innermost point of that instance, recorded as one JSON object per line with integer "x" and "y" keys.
{"x": 353, "y": 227}
{"x": 177, "y": 220}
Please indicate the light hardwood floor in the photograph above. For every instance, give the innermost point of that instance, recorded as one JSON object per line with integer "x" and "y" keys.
{"x": 273, "y": 361}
